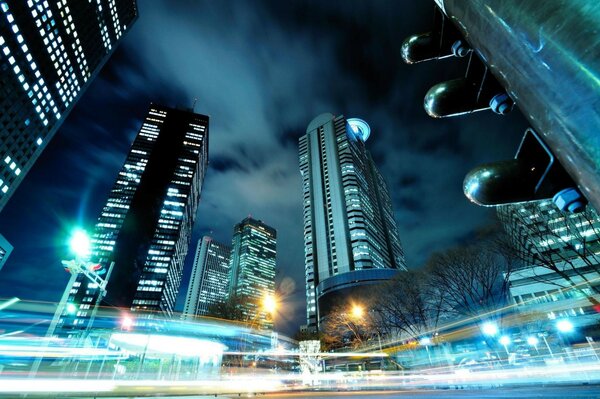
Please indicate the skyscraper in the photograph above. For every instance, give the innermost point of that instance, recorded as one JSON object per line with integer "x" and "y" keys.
{"x": 350, "y": 234}
{"x": 209, "y": 283}
{"x": 49, "y": 53}
{"x": 252, "y": 273}
{"x": 145, "y": 227}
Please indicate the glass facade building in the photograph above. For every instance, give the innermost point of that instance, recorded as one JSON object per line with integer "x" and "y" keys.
{"x": 209, "y": 282}
{"x": 146, "y": 225}
{"x": 49, "y": 53}
{"x": 560, "y": 259}
{"x": 252, "y": 272}
{"x": 349, "y": 224}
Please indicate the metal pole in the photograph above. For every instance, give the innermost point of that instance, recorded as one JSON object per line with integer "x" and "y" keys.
{"x": 52, "y": 327}
{"x": 547, "y": 346}
{"x": 100, "y": 296}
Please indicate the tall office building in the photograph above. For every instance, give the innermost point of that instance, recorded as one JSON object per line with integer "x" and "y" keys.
{"x": 5, "y": 250}
{"x": 561, "y": 259}
{"x": 209, "y": 282}
{"x": 252, "y": 273}
{"x": 350, "y": 235}
{"x": 49, "y": 53}
{"x": 146, "y": 225}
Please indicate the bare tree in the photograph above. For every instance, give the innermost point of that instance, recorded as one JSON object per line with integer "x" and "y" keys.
{"x": 473, "y": 280}
{"x": 344, "y": 328}
{"x": 408, "y": 304}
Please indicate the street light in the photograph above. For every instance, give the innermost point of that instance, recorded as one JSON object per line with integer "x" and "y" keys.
{"x": 489, "y": 329}
{"x": 126, "y": 323}
{"x": 533, "y": 341}
{"x": 71, "y": 308}
{"x": 505, "y": 341}
{"x": 80, "y": 244}
{"x": 357, "y": 311}
{"x": 564, "y": 326}
{"x": 269, "y": 303}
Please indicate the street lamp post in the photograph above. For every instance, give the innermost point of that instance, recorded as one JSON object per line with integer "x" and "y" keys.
{"x": 80, "y": 245}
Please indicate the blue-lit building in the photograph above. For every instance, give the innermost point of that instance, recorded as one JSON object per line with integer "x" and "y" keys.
{"x": 209, "y": 282}
{"x": 559, "y": 275}
{"x": 351, "y": 237}
{"x": 252, "y": 270}
{"x": 50, "y": 51}
{"x": 146, "y": 225}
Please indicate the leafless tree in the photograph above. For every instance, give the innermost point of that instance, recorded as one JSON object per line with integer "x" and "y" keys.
{"x": 343, "y": 328}
{"x": 473, "y": 280}
{"x": 408, "y": 304}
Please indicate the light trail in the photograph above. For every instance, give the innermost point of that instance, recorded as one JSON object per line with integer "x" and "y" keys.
{"x": 266, "y": 382}
{"x": 209, "y": 356}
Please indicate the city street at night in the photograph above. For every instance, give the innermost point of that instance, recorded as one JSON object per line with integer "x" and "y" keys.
{"x": 300, "y": 199}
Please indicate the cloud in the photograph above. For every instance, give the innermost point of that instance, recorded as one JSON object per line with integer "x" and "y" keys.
{"x": 262, "y": 71}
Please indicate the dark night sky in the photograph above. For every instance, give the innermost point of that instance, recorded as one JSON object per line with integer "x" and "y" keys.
{"x": 261, "y": 71}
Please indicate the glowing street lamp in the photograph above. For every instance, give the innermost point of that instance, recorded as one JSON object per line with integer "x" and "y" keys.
{"x": 269, "y": 303}
{"x": 490, "y": 329}
{"x": 71, "y": 308}
{"x": 564, "y": 326}
{"x": 357, "y": 311}
{"x": 80, "y": 244}
{"x": 505, "y": 341}
{"x": 126, "y": 323}
{"x": 533, "y": 341}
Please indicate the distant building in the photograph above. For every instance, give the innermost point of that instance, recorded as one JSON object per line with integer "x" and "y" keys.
{"x": 350, "y": 235}
{"x": 146, "y": 225}
{"x": 561, "y": 253}
{"x": 252, "y": 272}
{"x": 5, "y": 250}
{"x": 50, "y": 51}
{"x": 209, "y": 282}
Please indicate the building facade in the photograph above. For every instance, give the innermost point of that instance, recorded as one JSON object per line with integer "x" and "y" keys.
{"x": 560, "y": 271}
{"x": 5, "y": 250}
{"x": 209, "y": 282}
{"x": 146, "y": 225}
{"x": 252, "y": 271}
{"x": 350, "y": 235}
{"x": 50, "y": 51}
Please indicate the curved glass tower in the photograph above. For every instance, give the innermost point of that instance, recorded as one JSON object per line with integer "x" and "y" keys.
{"x": 350, "y": 235}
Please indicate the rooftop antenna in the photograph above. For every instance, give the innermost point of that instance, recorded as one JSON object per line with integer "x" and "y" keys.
{"x": 194, "y": 103}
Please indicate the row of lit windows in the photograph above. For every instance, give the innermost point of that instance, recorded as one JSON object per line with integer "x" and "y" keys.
{"x": 37, "y": 88}
{"x": 102, "y": 24}
{"x": 70, "y": 29}
{"x": 68, "y": 84}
